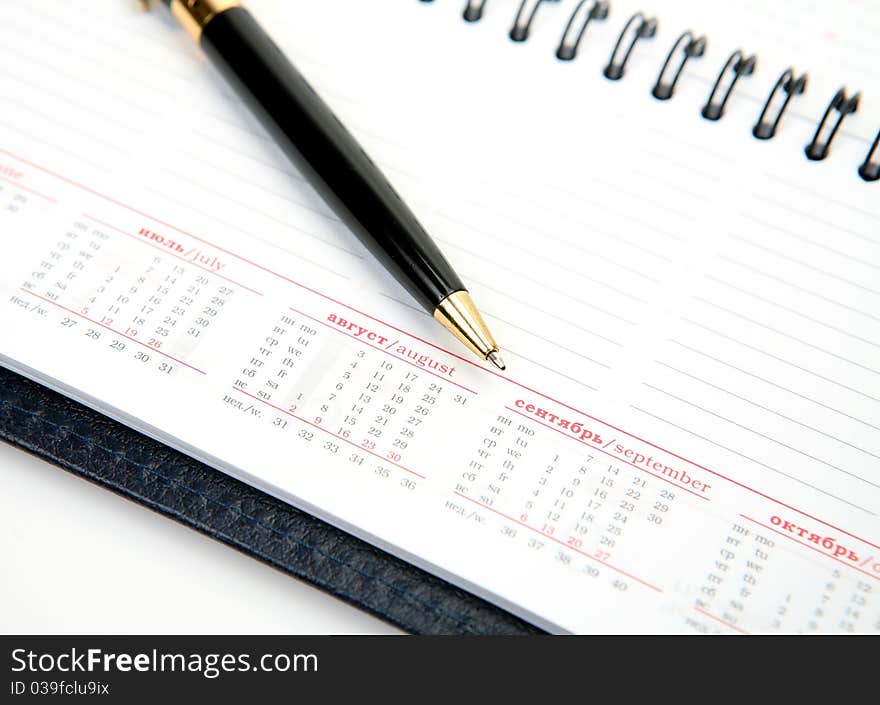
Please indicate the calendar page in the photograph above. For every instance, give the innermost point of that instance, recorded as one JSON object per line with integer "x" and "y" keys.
{"x": 680, "y": 443}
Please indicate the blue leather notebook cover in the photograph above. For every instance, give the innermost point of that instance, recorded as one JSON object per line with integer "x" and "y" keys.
{"x": 99, "y": 449}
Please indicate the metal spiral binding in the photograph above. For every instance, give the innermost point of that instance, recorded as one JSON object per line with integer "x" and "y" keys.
{"x": 818, "y": 148}
{"x": 689, "y": 46}
{"x": 791, "y": 86}
{"x": 567, "y": 50}
{"x": 642, "y": 28}
{"x": 473, "y": 10}
{"x": 638, "y": 26}
{"x": 520, "y": 30}
{"x": 742, "y": 66}
{"x": 870, "y": 170}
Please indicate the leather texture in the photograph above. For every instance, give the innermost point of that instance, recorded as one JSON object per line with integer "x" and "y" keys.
{"x": 99, "y": 449}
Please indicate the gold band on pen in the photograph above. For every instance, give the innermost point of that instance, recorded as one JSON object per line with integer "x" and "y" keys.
{"x": 195, "y": 14}
{"x": 459, "y": 315}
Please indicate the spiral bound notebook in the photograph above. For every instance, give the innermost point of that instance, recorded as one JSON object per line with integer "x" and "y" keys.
{"x": 668, "y": 215}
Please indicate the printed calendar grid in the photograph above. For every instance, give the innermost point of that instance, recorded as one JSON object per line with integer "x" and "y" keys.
{"x": 388, "y": 352}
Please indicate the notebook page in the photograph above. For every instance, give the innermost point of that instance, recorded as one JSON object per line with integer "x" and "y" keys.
{"x": 690, "y": 393}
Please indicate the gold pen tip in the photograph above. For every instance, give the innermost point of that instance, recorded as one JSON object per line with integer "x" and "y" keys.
{"x": 496, "y": 360}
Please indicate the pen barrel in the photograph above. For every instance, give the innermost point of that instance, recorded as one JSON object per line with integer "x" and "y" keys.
{"x": 330, "y": 158}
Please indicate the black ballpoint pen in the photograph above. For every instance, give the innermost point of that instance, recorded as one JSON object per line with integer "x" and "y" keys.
{"x": 333, "y": 162}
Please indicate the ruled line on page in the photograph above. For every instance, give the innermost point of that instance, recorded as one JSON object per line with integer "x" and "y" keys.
{"x": 671, "y": 185}
{"x": 576, "y": 216}
{"x": 803, "y": 238}
{"x": 68, "y": 102}
{"x": 592, "y": 200}
{"x": 44, "y": 42}
{"x": 76, "y": 79}
{"x": 802, "y": 263}
{"x": 197, "y": 182}
{"x": 781, "y": 359}
{"x": 804, "y": 211}
{"x": 801, "y": 289}
{"x": 821, "y": 196}
{"x": 554, "y": 343}
{"x": 65, "y": 126}
{"x": 770, "y": 410}
{"x": 115, "y": 30}
{"x": 521, "y": 276}
{"x": 544, "y": 366}
{"x": 775, "y": 384}
{"x": 754, "y": 431}
{"x": 789, "y": 309}
{"x": 783, "y": 334}
{"x": 532, "y": 253}
{"x": 794, "y": 478}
